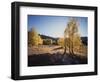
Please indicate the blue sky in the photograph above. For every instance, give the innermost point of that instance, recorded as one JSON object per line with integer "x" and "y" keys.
{"x": 55, "y": 25}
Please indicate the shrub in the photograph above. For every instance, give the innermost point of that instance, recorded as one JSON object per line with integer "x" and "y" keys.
{"x": 47, "y": 41}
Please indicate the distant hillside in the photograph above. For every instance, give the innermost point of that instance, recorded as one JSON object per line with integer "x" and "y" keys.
{"x": 84, "y": 39}
{"x": 47, "y": 37}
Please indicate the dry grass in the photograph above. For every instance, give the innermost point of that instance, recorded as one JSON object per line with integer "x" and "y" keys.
{"x": 43, "y": 49}
{"x": 53, "y": 55}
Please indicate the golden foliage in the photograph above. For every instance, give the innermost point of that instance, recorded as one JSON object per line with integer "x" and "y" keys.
{"x": 34, "y": 38}
{"x": 72, "y": 38}
{"x": 60, "y": 42}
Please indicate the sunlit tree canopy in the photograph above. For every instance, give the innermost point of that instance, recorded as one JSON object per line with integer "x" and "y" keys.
{"x": 72, "y": 39}
{"x": 34, "y": 38}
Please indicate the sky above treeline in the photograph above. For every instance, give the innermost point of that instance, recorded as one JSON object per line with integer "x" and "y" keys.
{"x": 54, "y": 26}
